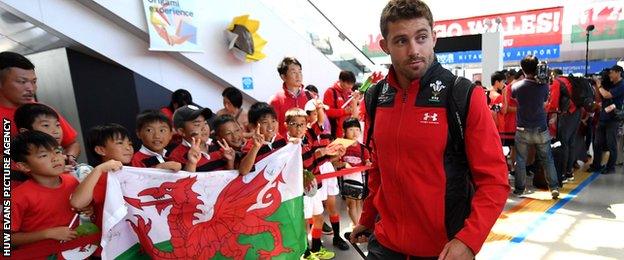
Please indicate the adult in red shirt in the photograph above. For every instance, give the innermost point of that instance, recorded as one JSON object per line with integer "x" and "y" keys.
{"x": 567, "y": 125}
{"x": 18, "y": 86}
{"x": 335, "y": 97}
{"x": 292, "y": 93}
{"x": 420, "y": 202}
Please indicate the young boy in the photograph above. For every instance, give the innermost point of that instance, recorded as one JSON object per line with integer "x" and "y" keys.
{"x": 35, "y": 116}
{"x": 154, "y": 130}
{"x": 196, "y": 152}
{"x": 297, "y": 125}
{"x": 111, "y": 147}
{"x": 263, "y": 119}
{"x": 230, "y": 134}
{"x": 355, "y": 155}
{"x": 41, "y": 213}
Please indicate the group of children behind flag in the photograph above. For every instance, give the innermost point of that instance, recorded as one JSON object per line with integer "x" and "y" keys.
{"x": 41, "y": 209}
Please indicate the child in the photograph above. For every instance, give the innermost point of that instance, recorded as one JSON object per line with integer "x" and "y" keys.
{"x": 355, "y": 155}
{"x": 41, "y": 213}
{"x": 196, "y": 152}
{"x": 309, "y": 137}
{"x": 262, "y": 119}
{"x": 35, "y": 116}
{"x": 111, "y": 147}
{"x": 154, "y": 130}
{"x": 230, "y": 134}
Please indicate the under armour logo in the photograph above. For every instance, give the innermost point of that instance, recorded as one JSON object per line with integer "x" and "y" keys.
{"x": 431, "y": 117}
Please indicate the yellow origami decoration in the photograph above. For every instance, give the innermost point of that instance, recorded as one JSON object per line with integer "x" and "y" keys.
{"x": 244, "y": 41}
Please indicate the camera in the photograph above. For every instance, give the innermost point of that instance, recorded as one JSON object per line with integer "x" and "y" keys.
{"x": 542, "y": 72}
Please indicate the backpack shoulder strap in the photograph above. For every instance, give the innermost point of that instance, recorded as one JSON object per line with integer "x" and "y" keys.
{"x": 370, "y": 103}
{"x": 457, "y": 107}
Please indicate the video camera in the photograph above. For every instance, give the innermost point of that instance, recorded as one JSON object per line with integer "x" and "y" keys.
{"x": 542, "y": 75}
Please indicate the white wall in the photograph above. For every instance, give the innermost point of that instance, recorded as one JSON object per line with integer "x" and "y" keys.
{"x": 117, "y": 29}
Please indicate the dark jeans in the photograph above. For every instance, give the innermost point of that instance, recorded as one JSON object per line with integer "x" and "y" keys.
{"x": 376, "y": 251}
{"x": 606, "y": 140}
{"x": 541, "y": 139}
{"x": 565, "y": 156}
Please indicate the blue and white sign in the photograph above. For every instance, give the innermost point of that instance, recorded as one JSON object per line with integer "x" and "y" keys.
{"x": 247, "y": 83}
{"x": 573, "y": 67}
{"x": 509, "y": 54}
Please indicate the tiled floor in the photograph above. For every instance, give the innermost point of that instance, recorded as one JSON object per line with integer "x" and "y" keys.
{"x": 588, "y": 224}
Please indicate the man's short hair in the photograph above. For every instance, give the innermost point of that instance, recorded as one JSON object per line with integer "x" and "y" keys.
{"x": 397, "y": 10}
{"x": 351, "y": 122}
{"x": 529, "y": 64}
{"x": 24, "y": 143}
{"x": 518, "y": 74}
{"x": 497, "y": 76}
{"x": 222, "y": 120}
{"x": 557, "y": 72}
{"x": 99, "y": 135}
{"x": 10, "y": 60}
{"x": 259, "y": 110}
{"x": 151, "y": 116}
{"x": 347, "y": 76}
{"x": 234, "y": 96}
{"x": 282, "y": 68}
{"x": 293, "y": 113}
{"x": 26, "y": 114}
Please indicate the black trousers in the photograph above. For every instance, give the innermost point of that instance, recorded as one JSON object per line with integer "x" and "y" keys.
{"x": 605, "y": 140}
{"x": 565, "y": 155}
{"x": 377, "y": 251}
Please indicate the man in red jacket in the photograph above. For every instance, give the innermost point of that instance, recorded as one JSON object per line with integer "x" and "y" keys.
{"x": 335, "y": 97}
{"x": 423, "y": 201}
{"x": 292, "y": 93}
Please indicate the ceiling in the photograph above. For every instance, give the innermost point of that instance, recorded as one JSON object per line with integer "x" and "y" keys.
{"x": 23, "y": 37}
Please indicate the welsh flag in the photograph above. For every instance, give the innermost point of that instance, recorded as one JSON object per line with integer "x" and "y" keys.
{"x": 150, "y": 213}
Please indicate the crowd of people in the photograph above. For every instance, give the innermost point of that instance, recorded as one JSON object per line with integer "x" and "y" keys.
{"x": 439, "y": 178}
{"x": 554, "y": 119}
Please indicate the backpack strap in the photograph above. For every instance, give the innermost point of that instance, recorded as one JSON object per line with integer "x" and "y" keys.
{"x": 370, "y": 103}
{"x": 458, "y": 102}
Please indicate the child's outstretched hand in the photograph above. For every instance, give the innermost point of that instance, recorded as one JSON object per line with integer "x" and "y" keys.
{"x": 228, "y": 152}
{"x": 194, "y": 154}
{"x": 61, "y": 233}
{"x": 110, "y": 166}
{"x": 170, "y": 165}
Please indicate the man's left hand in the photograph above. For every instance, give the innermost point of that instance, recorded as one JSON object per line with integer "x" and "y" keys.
{"x": 455, "y": 249}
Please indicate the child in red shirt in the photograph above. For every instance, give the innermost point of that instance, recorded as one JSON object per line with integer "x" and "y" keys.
{"x": 154, "y": 130}
{"x": 263, "y": 119}
{"x": 356, "y": 155}
{"x": 41, "y": 213}
{"x": 197, "y": 152}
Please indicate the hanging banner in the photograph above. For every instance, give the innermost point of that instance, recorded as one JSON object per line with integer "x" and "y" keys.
{"x": 524, "y": 28}
{"x": 607, "y": 18}
{"x": 543, "y": 52}
{"x": 171, "y": 25}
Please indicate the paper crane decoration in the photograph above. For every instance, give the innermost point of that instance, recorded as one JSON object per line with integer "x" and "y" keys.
{"x": 244, "y": 41}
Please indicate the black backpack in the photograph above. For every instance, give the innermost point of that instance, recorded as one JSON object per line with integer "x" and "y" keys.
{"x": 582, "y": 92}
{"x": 564, "y": 97}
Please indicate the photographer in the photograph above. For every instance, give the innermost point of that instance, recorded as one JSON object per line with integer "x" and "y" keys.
{"x": 606, "y": 133}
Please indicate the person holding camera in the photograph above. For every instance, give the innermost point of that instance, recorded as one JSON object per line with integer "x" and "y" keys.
{"x": 532, "y": 128}
{"x": 606, "y": 132}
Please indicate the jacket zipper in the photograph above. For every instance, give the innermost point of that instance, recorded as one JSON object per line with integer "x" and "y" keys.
{"x": 398, "y": 150}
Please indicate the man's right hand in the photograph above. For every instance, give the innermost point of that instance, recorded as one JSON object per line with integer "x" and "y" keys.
{"x": 61, "y": 233}
{"x": 357, "y": 236}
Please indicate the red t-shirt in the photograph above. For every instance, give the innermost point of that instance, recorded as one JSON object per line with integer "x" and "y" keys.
{"x": 335, "y": 111}
{"x": 35, "y": 207}
{"x": 284, "y": 100}
{"x": 69, "y": 134}
{"x": 356, "y": 155}
{"x": 509, "y": 129}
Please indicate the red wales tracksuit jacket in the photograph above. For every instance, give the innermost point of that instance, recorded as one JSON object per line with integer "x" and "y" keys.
{"x": 423, "y": 195}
